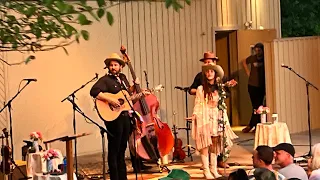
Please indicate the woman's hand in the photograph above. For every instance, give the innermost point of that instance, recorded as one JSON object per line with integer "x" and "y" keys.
{"x": 232, "y": 83}
{"x": 145, "y": 92}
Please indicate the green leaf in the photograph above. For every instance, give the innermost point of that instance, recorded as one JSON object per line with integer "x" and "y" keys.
{"x": 188, "y": 2}
{"x": 109, "y": 18}
{"x": 30, "y": 58}
{"x": 12, "y": 19}
{"x": 30, "y": 11}
{"x": 49, "y": 37}
{"x": 14, "y": 45}
{"x": 100, "y": 12}
{"x": 65, "y": 50}
{"x": 61, "y": 6}
{"x": 168, "y": 3}
{"x": 48, "y": 2}
{"x": 37, "y": 32}
{"x": 83, "y": 1}
{"x": 94, "y": 16}
{"x": 85, "y": 35}
{"x": 69, "y": 29}
{"x": 78, "y": 38}
{"x": 101, "y": 3}
{"x": 176, "y": 5}
{"x": 83, "y": 20}
{"x": 69, "y": 9}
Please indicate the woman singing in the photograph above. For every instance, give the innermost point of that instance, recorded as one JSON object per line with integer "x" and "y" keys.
{"x": 206, "y": 130}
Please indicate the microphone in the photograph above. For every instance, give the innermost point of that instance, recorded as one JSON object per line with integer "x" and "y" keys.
{"x": 182, "y": 88}
{"x": 29, "y": 80}
{"x": 285, "y": 66}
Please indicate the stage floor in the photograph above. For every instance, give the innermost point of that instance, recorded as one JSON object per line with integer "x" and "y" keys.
{"x": 91, "y": 165}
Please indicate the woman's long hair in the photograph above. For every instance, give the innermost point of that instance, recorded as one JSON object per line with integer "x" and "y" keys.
{"x": 207, "y": 87}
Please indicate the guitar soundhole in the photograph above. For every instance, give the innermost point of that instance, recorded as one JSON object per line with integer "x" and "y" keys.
{"x": 121, "y": 101}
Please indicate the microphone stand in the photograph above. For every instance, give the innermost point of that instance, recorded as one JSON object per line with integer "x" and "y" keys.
{"x": 187, "y": 128}
{"x": 73, "y": 97}
{"x": 222, "y": 108}
{"x": 11, "y": 129}
{"x": 308, "y": 106}
{"x": 134, "y": 114}
{"x": 102, "y": 131}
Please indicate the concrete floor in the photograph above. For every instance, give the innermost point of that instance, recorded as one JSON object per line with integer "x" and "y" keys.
{"x": 91, "y": 165}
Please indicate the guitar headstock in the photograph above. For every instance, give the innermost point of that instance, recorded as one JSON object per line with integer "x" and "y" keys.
{"x": 5, "y": 132}
{"x": 125, "y": 56}
{"x": 158, "y": 88}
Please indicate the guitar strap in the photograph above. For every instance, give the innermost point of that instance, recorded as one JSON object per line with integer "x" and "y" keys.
{"x": 120, "y": 82}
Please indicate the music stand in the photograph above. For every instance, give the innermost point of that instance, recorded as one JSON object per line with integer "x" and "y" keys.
{"x": 69, "y": 150}
{"x": 188, "y": 127}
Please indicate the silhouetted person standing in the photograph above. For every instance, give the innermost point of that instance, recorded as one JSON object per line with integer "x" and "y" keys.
{"x": 256, "y": 83}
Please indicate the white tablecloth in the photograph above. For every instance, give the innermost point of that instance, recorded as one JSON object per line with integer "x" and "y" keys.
{"x": 52, "y": 177}
{"x": 271, "y": 134}
{"x": 36, "y": 164}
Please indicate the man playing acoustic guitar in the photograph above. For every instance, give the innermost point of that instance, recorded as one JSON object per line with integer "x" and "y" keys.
{"x": 113, "y": 83}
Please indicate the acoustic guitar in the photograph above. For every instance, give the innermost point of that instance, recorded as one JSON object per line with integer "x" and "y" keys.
{"x": 107, "y": 112}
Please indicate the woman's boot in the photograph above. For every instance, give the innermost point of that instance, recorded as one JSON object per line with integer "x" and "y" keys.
{"x": 205, "y": 164}
{"x": 214, "y": 165}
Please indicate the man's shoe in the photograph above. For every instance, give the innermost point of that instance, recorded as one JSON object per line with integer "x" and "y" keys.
{"x": 222, "y": 164}
{"x": 246, "y": 129}
{"x": 144, "y": 167}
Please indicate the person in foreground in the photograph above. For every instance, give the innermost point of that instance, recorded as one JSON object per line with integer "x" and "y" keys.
{"x": 262, "y": 158}
{"x": 206, "y": 130}
{"x": 120, "y": 128}
{"x": 284, "y": 154}
{"x": 314, "y": 163}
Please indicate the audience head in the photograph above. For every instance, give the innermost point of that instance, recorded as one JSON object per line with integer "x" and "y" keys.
{"x": 262, "y": 157}
{"x": 315, "y": 160}
{"x": 284, "y": 154}
{"x": 264, "y": 174}
{"x": 238, "y": 174}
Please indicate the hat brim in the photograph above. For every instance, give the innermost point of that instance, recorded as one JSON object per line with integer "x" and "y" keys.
{"x": 218, "y": 69}
{"x": 215, "y": 58}
{"x": 107, "y": 61}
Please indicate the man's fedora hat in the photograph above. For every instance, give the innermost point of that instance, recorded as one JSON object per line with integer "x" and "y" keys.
{"x": 114, "y": 57}
{"x": 209, "y": 55}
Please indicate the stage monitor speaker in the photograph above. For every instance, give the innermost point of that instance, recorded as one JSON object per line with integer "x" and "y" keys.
{"x": 16, "y": 174}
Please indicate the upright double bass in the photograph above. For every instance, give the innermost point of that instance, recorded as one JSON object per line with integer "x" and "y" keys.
{"x": 147, "y": 107}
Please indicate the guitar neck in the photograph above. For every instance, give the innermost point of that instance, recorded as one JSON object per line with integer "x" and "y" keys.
{"x": 139, "y": 95}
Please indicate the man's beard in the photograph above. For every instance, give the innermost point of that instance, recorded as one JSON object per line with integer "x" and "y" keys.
{"x": 114, "y": 72}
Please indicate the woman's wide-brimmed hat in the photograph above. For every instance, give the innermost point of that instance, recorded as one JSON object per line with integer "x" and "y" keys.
{"x": 114, "y": 57}
{"x": 218, "y": 69}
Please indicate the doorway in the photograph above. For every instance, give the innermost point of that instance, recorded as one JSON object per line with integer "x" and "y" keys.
{"x": 232, "y": 47}
{"x": 223, "y": 47}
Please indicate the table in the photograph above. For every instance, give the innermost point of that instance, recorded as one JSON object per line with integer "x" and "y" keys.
{"x": 271, "y": 134}
{"x": 37, "y": 164}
